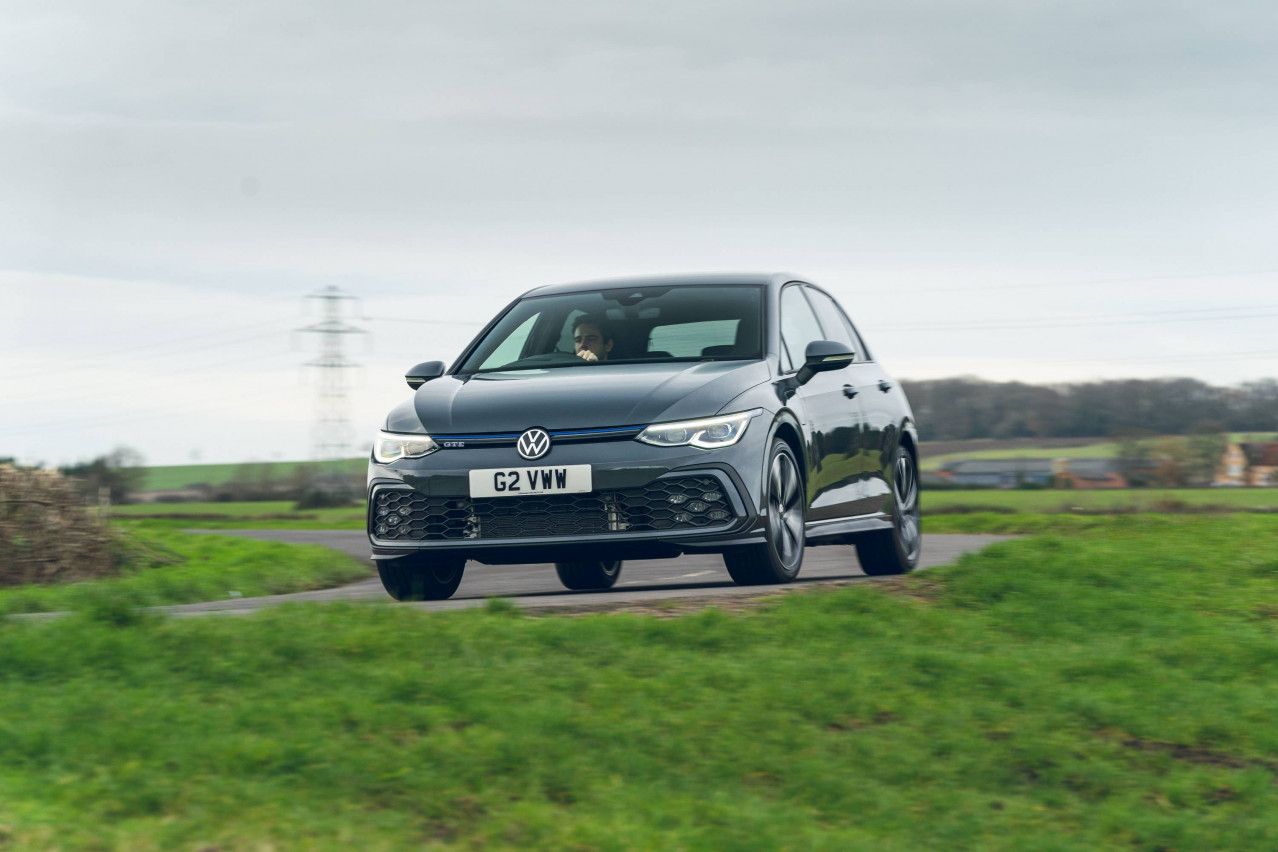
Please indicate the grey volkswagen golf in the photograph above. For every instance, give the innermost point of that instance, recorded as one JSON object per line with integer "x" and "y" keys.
{"x": 645, "y": 418}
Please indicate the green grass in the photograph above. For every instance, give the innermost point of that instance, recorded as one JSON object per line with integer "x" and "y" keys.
{"x": 171, "y": 477}
{"x": 165, "y": 566}
{"x": 1126, "y": 499}
{"x": 282, "y": 515}
{"x": 1112, "y": 687}
{"x": 270, "y": 514}
{"x": 1101, "y": 449}
{"x": 1033, "y": 523}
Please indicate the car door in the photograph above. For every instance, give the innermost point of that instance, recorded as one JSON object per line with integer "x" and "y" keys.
{"x": 832, "y": 416}
{"x": 876, "y": 392}
{"x": 858, "y": 446}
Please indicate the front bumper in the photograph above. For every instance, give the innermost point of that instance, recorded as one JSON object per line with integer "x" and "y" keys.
{"x": 622, "y": 518}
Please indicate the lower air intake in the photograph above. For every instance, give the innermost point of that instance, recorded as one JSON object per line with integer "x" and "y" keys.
{"x": 682, "y": 503}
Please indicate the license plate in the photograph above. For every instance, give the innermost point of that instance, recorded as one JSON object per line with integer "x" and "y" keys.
{"x": 530, "y": 481}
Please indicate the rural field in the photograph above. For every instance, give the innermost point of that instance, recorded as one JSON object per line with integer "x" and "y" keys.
{"x": 1112, "y": 685}
{"x": 171, "y": 477}
{"x": 283, "y": 515}
{"x": 1010, "y": 450}
{"x": 934, "y": 455}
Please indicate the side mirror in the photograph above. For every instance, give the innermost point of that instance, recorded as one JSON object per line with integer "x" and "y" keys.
{"x": 822, "y": 356}
{"x": 423, "y": 373}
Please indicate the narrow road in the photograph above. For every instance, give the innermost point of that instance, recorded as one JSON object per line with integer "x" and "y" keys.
{"x": 535, "y": 587}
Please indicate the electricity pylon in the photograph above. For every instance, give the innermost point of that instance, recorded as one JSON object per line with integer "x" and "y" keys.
{"x": 332, "y": 433}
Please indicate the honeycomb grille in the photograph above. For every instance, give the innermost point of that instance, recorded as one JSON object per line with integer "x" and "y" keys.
{"x": 685, "y": 503}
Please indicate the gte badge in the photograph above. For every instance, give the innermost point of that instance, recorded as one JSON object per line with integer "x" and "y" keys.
{"x": 533, "y": 444}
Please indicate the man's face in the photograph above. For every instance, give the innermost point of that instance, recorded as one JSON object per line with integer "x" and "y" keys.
{"x": 587, "y": 338}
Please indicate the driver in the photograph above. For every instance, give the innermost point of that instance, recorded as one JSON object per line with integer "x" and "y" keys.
{"x": 591, "y": 339}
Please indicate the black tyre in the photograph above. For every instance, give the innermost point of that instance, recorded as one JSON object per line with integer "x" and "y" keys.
{"x": 585, "y": 574}
{"x": 896, "y": 551}
{"x": 421, "y": 577}
{"x": 780, "y": 557}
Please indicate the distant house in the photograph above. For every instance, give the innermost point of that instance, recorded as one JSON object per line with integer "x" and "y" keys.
{"x": 998, "y": 473}
{"x": 1248, "y": 463}
{"x": 1042, "y": 473}
{"x": 1089, "y": 473}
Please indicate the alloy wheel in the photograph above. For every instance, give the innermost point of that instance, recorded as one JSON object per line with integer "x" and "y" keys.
{"x": 906, "y": 487}
{"x": 785, "y": 509}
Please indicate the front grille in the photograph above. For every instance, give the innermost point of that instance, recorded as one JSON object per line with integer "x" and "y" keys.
{"x": 682, "y": 503}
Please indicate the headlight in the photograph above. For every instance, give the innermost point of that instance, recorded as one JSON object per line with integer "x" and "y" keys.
{"x": 708, "y": 434}
{"x": 390, "y": 446}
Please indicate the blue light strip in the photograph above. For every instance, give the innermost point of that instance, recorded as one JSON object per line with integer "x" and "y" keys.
{"x": 608, "y": 431}
{"x": 561, "y": 433}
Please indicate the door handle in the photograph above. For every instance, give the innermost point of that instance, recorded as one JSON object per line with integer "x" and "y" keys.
{"x": 850, "y": 391}
{"x": 885, "y": 385}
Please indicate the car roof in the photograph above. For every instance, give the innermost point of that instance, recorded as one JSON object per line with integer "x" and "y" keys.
{"x": 689, "y": 280}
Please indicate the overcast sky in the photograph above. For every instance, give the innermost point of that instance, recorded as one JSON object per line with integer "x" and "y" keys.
{"x": 1041, "y": 191}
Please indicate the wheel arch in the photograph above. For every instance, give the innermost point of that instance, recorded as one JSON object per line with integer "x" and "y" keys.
{"x": 786, "y": 427}
{"x": 910, "y": 440}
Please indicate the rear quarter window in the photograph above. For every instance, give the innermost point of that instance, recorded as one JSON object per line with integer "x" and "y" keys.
{"x": 690, "y": 339}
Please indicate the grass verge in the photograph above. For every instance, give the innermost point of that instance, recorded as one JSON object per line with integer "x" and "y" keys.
{"x": 165, "y": 566}
{"x": 266, "y": 514}
{"x": 282, "y": 515}
{"x": 1099, "y": 688}
{"x": 1120, "y": 499}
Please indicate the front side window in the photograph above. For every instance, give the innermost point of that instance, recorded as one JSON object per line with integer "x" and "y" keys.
{"x": 512, "y": 348}
{"x": 630, "y": 325}
{"x": 799, "y": 325}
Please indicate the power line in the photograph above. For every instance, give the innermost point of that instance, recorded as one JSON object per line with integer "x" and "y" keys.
{"x": 1090, "y": 282}
{"x": 182, "y": 347}
{"x": 219, "y": 406}
{"x": 167, "y": 323}
{"x": 1178, "y": 358}
{"x": 1030, "y": 323}
{"x": 112, "y": 387}
{"x": 424, "y": 321}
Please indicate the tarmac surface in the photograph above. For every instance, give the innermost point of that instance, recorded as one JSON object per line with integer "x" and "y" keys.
{"x": 537, "y": 588}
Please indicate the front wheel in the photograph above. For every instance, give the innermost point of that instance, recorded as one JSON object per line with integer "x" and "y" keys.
{"x": 896, "y": 551}
{"x": 421, "y": 577}
{"x": 780, "y": 557}
{"x": 586, "y": 574}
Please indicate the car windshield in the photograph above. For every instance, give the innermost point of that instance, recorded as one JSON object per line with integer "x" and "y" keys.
{"x": 629, "y": 325}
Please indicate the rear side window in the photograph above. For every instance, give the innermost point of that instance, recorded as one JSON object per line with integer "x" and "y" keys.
{"x": 836, "y": 324}
{"x": 565, "y": 343}
{"x": 799, "y": 325}
{"x": 693, "y": 339}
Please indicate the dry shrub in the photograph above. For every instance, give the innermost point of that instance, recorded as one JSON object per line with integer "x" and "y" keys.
{"x": 47, "y": 535}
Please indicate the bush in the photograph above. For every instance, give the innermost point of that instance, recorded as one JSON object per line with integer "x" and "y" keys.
{"x": 46, "y": 533}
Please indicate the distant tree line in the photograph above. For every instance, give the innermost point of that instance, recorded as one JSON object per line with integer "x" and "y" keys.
{"x": 308, "y": 486}
{"x": 968, "y": 408}
{"x": 116, "y": 475}
{"x": 1170, "y": 462}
